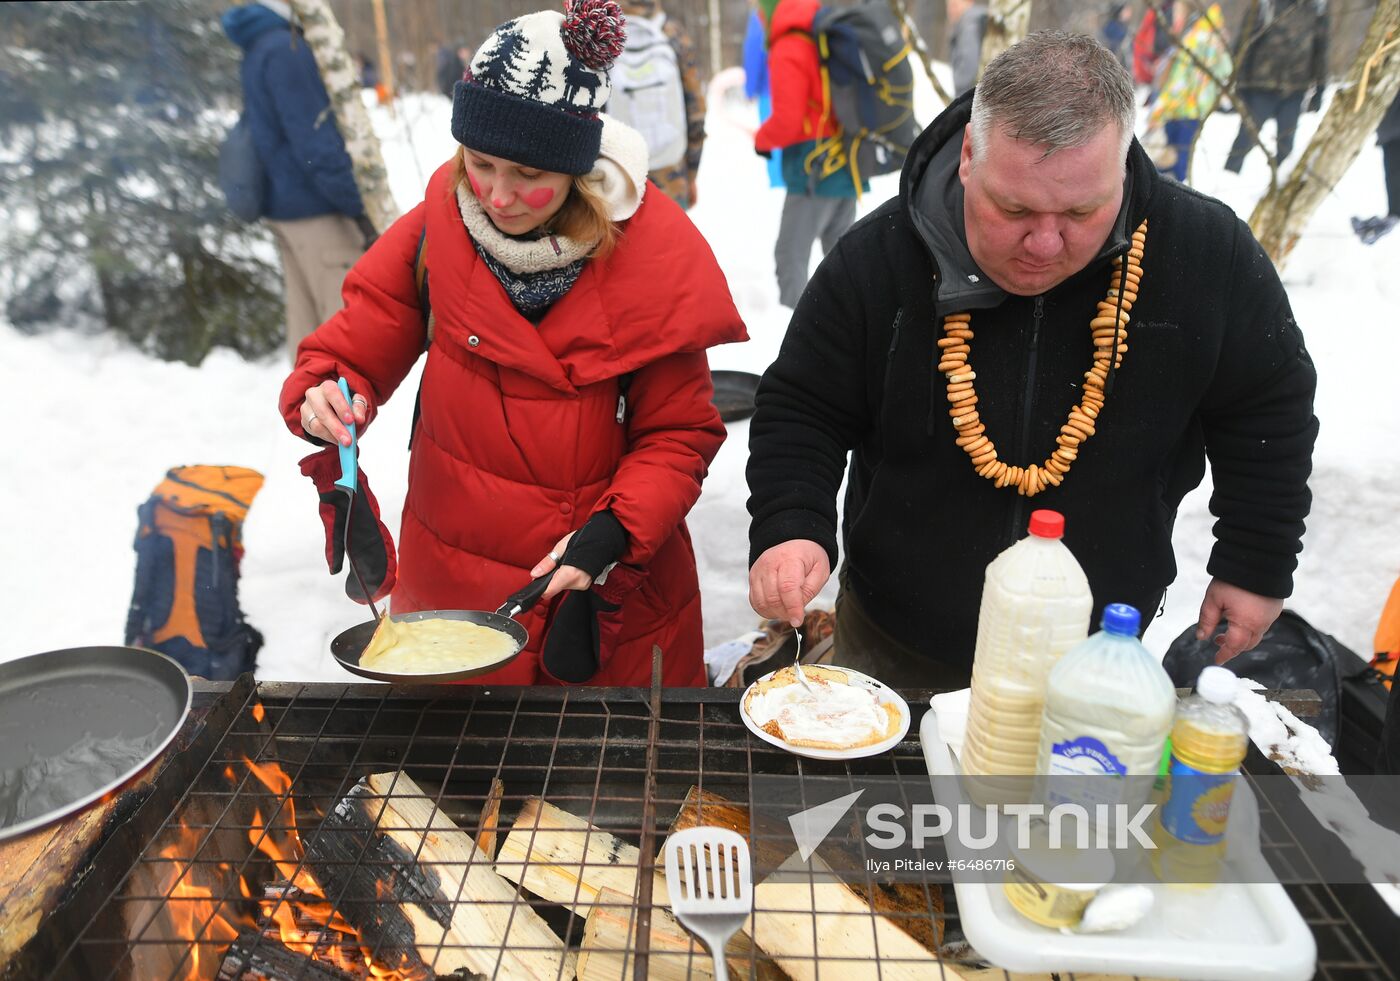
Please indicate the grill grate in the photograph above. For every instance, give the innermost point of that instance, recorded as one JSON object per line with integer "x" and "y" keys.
{"x": 193, "y": 871}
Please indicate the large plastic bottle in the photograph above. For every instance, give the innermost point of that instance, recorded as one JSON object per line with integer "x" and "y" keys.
{"x": 1035, "y": 606}
{"x": 1108, "y": 709}
{"x": 1210, "y": 738}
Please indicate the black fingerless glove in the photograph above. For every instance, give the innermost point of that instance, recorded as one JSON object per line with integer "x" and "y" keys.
{"x": 597, "y": 545}
{"x": 573, "y": 641}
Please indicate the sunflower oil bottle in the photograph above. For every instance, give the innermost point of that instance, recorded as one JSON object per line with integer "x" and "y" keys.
{"x": 1209, "y": 740}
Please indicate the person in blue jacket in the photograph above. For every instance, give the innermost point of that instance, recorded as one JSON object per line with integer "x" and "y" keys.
{"x": 756, "y": 85}
{"x": 310, "y": 200}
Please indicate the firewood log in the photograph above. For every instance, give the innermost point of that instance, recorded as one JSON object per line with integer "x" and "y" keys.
{"x": 449, "y": 909}
{"x": 564, "y": 859}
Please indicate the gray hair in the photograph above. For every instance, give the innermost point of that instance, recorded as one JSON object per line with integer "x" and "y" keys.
{"x": 1055, "y": 89}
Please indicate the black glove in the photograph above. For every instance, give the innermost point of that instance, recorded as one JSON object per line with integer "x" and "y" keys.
{"x": 573, "y": 641}
{"x": 597, "y": 545}
{"x": 1315, "y": 103}
{"x": 765, "y": 154}
{"x": 367, "y": 229}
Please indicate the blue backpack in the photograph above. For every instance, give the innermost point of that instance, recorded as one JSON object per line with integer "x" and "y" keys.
{"x": 241, "y": 173}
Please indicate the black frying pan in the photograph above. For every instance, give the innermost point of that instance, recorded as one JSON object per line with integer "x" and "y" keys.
{"x": 77, "y": 724}
{"x": 350, "y": 644}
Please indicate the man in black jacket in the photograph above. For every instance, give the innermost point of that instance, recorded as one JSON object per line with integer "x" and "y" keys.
{"x": 1013, "y": 205}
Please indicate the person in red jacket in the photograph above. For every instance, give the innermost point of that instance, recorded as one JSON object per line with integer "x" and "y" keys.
{"x": 818, "y": 204}
{"x": 565, "y": 418}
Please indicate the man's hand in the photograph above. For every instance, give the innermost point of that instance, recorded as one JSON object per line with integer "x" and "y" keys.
{"x": 1249, "y": 615}
{"x": 786, "y": 578}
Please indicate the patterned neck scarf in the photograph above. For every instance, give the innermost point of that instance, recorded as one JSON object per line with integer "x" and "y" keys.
{"x": 535, "y": 272}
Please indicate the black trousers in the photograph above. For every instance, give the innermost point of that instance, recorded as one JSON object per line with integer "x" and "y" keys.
{"x": 1283, "y": 108}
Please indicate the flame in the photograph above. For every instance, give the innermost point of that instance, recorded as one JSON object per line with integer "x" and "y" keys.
{"x": 202, "y": 910}
{"x": 193, "y": 911}
{"x": 258, "y": 711}
{"x": 303, "y": 919}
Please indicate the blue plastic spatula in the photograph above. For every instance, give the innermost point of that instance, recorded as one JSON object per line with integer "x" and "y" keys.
{"x": 349, "y": 480}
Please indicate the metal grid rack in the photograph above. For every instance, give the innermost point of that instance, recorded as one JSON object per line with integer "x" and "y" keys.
{"x": 168, "y": 896}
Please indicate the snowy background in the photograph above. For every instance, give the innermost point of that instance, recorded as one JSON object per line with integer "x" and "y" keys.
{"x": 95, "y": 425}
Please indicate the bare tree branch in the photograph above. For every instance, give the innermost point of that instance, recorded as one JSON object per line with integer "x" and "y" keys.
{"x": 1226, "y": 86}
{"x": 916, "y": 41}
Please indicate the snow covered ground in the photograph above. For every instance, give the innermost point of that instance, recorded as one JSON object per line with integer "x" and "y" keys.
{"x": 96, "y": 425}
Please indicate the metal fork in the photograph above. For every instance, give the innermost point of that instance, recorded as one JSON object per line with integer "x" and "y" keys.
{"x": 711, "y": 886}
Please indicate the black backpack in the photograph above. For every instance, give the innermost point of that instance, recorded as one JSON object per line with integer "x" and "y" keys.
{"x": 868, "y": 80}
{"x": 241, "y": 174}
{"x": 1292, "y": 654}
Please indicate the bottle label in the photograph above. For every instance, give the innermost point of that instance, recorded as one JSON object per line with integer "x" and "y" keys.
{"x": 1198, "y": 804}
{"x": 1084, "y": 756}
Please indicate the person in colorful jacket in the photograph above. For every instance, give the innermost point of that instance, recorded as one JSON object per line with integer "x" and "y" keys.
{"x": 820, "y": 203}
{"x": 1190, "y": 86}
{"x": 565, "y": 411}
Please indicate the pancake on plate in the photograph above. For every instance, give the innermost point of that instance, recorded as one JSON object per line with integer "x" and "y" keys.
{"x": 434, "y": 646}
{"x": 836, "y": 714}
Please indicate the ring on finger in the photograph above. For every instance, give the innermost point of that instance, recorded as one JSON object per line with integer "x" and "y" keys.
{"x": 554, "y": 556}
{"x": 360, "y": 399}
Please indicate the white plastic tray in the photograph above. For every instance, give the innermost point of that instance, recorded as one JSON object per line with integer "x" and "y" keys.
{"x": 1231, "y": 932}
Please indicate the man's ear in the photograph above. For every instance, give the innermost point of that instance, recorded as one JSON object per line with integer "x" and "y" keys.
{"x": 965, "y": 157}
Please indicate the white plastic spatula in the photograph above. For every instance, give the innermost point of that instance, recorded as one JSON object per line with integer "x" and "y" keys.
{"x": 711, "y": 886}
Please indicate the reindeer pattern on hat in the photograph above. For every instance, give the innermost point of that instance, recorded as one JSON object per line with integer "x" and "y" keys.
{"x": 527, "y": 56}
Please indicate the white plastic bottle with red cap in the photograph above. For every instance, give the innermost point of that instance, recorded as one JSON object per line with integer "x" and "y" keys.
{"x": 1035, "y": 606}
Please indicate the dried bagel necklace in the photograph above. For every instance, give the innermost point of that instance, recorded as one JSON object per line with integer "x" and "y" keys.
{"x": 1110, "y": 332}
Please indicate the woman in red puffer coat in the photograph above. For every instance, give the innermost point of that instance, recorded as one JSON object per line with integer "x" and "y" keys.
{"x": 565, "y": 421}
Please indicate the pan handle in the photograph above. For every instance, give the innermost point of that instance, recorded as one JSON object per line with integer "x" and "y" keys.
{"x": 525, "y": 599}
{"x": 349, "y": 470}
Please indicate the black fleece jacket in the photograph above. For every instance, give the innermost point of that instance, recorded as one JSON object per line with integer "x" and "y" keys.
{"x": 1216, "y": 368}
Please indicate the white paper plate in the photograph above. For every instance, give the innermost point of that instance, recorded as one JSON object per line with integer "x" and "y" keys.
{"x": 885, "y": 694}
{"x": 1233, "y": 932}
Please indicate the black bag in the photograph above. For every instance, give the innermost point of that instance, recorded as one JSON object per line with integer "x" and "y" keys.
{"x": 1292, "y": 654}
{"x": 869, "y": 79}
{"x": 241, "y": 173}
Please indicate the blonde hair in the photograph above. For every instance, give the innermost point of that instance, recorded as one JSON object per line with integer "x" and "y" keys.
{"x": 583, "y": 216}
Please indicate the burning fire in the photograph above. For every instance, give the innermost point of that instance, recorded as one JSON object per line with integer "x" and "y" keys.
{"x": 292, "y": 910}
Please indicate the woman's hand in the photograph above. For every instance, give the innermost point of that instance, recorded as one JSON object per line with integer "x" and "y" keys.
{"x": 565, "y": 576}
{"x": 325, "y": 414}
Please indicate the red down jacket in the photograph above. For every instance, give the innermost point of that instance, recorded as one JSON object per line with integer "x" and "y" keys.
{"x": 800, "y": 112}
{"x": 518, "y": 442}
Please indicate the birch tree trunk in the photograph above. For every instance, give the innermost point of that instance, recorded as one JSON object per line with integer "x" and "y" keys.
{"x": 327, "y": 43}
{"x": 1007, "y": 22}
{"x": 1353, "y": 115}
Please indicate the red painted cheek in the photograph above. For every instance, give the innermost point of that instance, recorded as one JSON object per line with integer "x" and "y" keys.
{"x": 540, "y": 198}
{"x": 476, "y": 188}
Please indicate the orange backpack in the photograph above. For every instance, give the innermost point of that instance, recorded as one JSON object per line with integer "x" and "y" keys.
{"x": 188, "y": 546}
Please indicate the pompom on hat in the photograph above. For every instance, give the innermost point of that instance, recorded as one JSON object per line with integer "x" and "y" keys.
{"x": 536, "y": 86}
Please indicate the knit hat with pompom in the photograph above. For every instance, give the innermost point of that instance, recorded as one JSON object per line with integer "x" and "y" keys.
{"x": 535, "y": 87}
